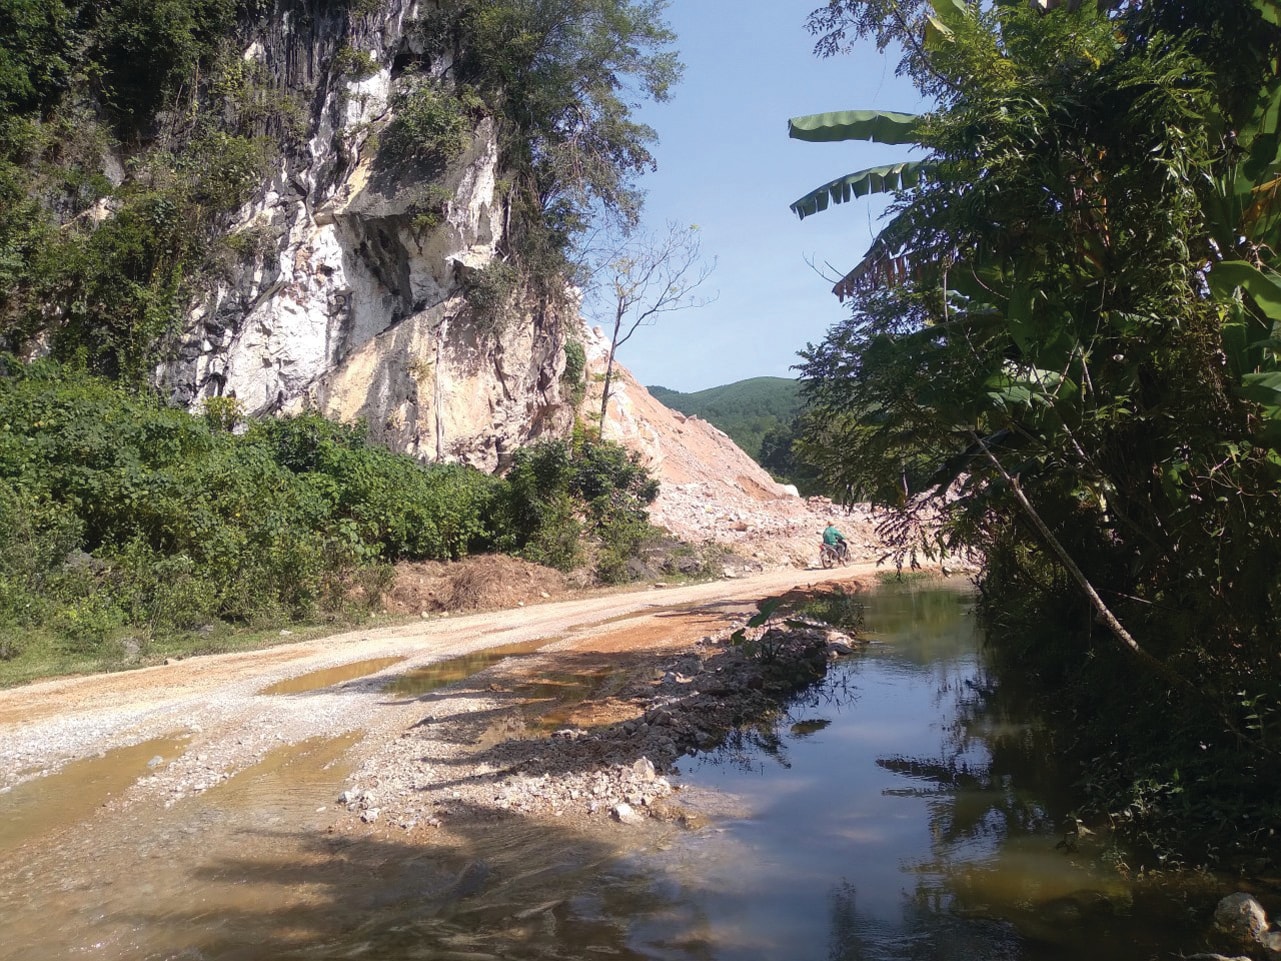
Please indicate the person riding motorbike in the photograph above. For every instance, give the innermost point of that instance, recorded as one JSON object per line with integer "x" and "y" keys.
{"x": 835, "y": 540}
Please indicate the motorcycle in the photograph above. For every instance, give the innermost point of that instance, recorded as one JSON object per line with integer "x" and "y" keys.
{"x": 830, "y": 555}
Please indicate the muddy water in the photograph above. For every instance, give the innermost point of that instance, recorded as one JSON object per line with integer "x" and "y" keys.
{"x": 424, "y": 680}
{"x": 901, "y": 810}
{"x": 329, "y": 676}
{"x": 43, "y": 806}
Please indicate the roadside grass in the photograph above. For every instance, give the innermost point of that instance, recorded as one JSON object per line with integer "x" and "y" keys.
{"x": 44, "y": 656}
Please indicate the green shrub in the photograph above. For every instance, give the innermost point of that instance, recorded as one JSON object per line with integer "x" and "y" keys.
{"x": 429, "y": 213}
{"x": 35, "y": 53}
{"x": 355, "y": 64}
{"x": 225, "y": 169}
{"x": 118, "y": 513}
{"x": 145, "y": 49}
{"x": 574, "y": 377}
{"x": 562, "y": 493}
{"x": 622, "y": 537}
{"x": 489, "y": 292}
{"x": 223, "y": 414}
{"x": 430, "y": 124}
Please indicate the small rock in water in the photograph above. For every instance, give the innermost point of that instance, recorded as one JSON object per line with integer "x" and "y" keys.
{"x": 624, "y": 813}
{"x": 156, "y": 761}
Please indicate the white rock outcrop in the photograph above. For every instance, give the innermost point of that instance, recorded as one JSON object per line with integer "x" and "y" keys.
{"x": 350, "y": 300}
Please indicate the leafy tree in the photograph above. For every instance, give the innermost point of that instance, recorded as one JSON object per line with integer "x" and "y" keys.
{"x": 1062, "y": 343}
{"x": 568, "y": 499}
{"x": 144, "y": 51}
{"x": 784, "y": 455}
{"x": 35, "y": 49}
{"x": 559, "y": 75}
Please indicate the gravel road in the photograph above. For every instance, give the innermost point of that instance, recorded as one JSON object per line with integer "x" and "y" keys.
{"x": 217, "y": 707}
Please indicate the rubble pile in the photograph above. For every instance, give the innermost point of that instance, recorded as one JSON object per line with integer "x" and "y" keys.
{"x": 617, "y": 770}
{"x": 712, "y": 492}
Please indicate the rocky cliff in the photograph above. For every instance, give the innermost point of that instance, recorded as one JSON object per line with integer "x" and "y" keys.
{"x": 352, "y": 298}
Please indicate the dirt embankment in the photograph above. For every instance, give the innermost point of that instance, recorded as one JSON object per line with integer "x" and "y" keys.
{"x": 712, "y": 491}
{"x": 489, "y": 582}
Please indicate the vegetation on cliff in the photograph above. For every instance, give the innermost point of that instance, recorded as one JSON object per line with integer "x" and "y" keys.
{"x": 132, "y": 131}
{"x": 1063, "y": 345}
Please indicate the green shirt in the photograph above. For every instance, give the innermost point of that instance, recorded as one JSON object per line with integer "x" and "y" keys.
{"x": 831, "y": 536}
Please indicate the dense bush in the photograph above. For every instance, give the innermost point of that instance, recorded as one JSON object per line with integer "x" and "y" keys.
{"x": 117, "y": 513}
{"x": 490, "y": 292}
{"x": 430, "y": 124}
{"x": 121, "y": 518}
{"x": 574, "y": 377}
{"x": 570, "y": 501}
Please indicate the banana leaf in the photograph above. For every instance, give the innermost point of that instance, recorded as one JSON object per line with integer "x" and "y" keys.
{"x": 881, "y": 126}
{"x": 1264, "y": 288}
{"x": 872, "y": 180}
{"x": 1270, "y": 10}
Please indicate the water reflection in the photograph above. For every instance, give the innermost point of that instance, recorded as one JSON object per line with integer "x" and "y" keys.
{"x": 922, "y": 821}
{"x": 908, "y": 808}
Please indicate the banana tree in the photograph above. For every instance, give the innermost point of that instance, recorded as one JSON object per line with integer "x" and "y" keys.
{"x": 881, "y": 261}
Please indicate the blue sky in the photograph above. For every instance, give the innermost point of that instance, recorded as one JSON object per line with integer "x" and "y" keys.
{"x": 727, "y": 165}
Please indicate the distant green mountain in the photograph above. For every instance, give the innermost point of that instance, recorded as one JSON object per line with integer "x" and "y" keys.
{"x": 746, "y": 409}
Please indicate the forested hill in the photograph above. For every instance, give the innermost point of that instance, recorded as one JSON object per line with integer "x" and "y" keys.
{"x": 746, "y": 410}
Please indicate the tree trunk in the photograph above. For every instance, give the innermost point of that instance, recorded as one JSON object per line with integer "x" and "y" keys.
{"x": 604, "y": 399}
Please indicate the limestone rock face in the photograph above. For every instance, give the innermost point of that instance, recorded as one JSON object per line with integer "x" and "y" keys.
{"x": 349, "y": 299}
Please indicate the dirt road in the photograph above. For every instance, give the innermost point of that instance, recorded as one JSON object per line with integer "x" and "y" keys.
{"x": 220, "y": 707}
{"x": 238, "y": 805}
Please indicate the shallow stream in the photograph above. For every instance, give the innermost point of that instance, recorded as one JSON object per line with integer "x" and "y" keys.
{"x": 902, "y": 809}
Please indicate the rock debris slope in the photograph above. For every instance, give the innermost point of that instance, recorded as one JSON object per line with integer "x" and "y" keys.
{"x": 711, "y": 490}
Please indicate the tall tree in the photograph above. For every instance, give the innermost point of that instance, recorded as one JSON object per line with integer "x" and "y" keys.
{"x": 564, "y": 78}
{"x": 1062, "y": 341}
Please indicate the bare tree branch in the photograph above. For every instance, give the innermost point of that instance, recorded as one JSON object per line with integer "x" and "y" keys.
{"x": 646, "y": 276}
